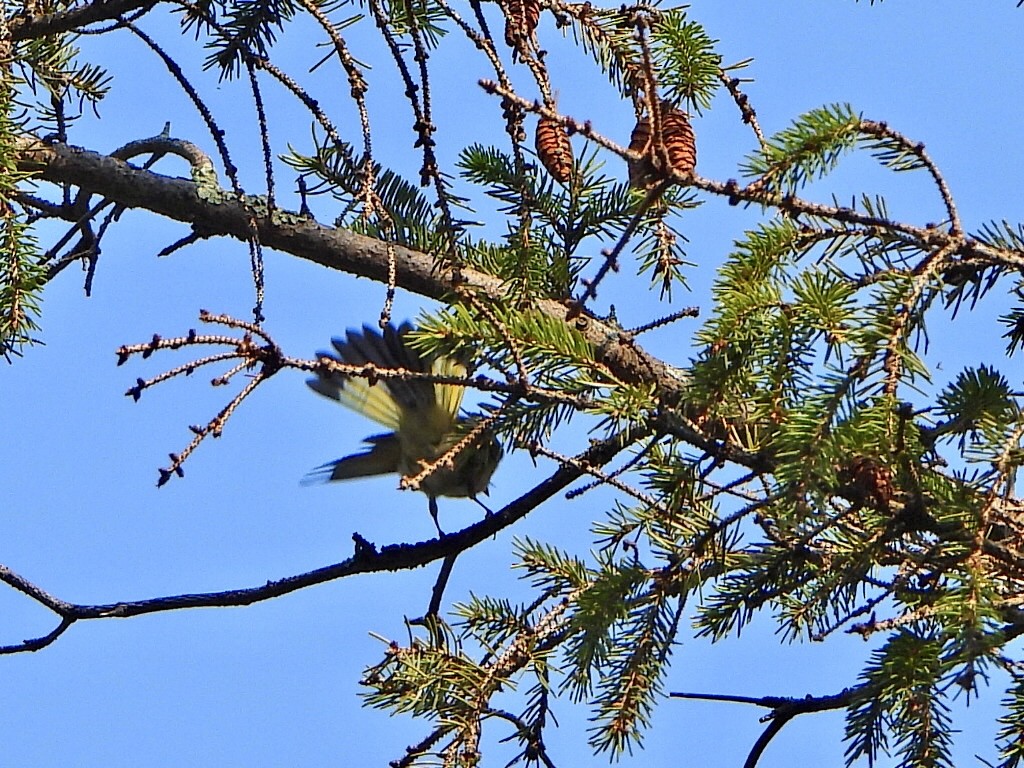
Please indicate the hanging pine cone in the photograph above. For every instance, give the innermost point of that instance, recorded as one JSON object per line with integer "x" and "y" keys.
{"x": 521, "y": 20}
{"x": 868, "y": 482}
{"x": 641, "y": 172}
{"x": 554, "y": 149}
{"x": 680, "y": 146}
{"x": 679, "y": 141}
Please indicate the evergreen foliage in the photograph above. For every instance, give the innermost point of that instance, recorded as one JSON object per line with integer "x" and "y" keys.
{"x": 811, "y": 461}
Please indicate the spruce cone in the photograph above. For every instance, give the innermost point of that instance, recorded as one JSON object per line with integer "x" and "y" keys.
{"x": 554, "y": 149}
{"x": 521, "y": 20}
{"x": 680, "y": 146}
{"x": 869, "y": 482}
{"x": 641, "y": 172}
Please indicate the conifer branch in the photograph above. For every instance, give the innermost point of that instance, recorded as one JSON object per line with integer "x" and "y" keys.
{"x": 366, "y": 559}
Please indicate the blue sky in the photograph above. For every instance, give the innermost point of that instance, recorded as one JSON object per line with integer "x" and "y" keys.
{"x": 276, "y": 684}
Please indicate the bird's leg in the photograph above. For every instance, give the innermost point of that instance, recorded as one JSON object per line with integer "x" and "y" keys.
{"x": 485, "y": 507}
{"x": 433, "y": 514}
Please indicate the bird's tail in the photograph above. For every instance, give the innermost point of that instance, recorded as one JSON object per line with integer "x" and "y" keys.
{"x": 383, "y": 458}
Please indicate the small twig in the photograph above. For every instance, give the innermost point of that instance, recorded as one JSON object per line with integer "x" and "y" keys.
{"x": 619, "y": 471}
{"x": 415, "y": 751}
{"x": 357, "y": 83}
{"x": 667, "y": 320}
{"x": 585, "y": 129}
{"x": 230, "y": 169}
{"x": 732, "y": 84}
{"x": 177, "y": 245}
{"x": 422, "y": 124}
{"x": 392, "y": 282}
{"x": 610, "y": 263}
{"x": 38, "y": 643}
{"x": 522, "y": 374}
{"x": 611, "y": 257}
{"x": 447, "y": 460}
{"x": 730, "y": 489}
{"x": 186, "y": 369}
{"x": 602, "y": 477}
{"x": 215, "y": 131}
{"x": 882, "y": 130}
{"x": 34, "y": 592}
{"x": 534, "y": 749}
{"x": 215, "y": 427}
{"x": 266, "y": 65}
{"x": 924, "y": 272}
{"x": 479, "y": 382}
{"x": 269, "y": 357}
{"x": 255, "y": 250}
{"x": 872, "y": 626}
{"x": 89, "y": 243}
{"x": 437, "y": 593}
{"x": 869, "y": 606}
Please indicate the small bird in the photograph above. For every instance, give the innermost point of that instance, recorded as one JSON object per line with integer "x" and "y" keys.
{"x": 423, "y": 415}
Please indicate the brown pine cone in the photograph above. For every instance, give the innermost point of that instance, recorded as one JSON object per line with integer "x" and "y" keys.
{"x": 869, "y": 481}
{"x": 521, "y": 20}
{"x": 680, "y": 146}
{"x": 554, "y": 149}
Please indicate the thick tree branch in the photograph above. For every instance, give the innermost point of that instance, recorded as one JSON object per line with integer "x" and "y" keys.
{"x": 31, "y": 27}
{"x": 212, "y": 211}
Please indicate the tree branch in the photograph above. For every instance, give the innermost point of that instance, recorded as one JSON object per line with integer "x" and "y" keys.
{"x": 783, "y": 709}
{"x": 212, "y": 211}
{"x": 366, "y": 559}
{"x": 30, "y": 27}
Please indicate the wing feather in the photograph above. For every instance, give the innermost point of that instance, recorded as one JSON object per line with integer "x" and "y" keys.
{"x": 423, "y": 414}
{"x": 449, "y": 396}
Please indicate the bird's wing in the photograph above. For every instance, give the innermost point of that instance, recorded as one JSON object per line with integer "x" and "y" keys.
{"x": 385, "y": 400}
{"x": 449, "y": 396}
{"x": 356, "y": 393}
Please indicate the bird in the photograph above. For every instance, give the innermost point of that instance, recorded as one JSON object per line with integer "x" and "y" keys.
{"x": 423, "y": 415}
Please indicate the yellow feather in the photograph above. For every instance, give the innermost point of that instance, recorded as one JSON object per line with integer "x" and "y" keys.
{"x": 449, "y": 396}
{"x": 374, "y": 402}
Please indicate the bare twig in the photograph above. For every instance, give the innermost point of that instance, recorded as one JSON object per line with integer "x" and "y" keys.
{"x": 732, "y": 84}
{"x": 882, "y": 130}
{"x": 602, "y": 477}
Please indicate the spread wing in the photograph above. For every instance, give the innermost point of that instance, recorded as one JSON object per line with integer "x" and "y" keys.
{"x": 428, "y": 409}
{"x": 423, "y": 415}
{"x": 383, "y": 400}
